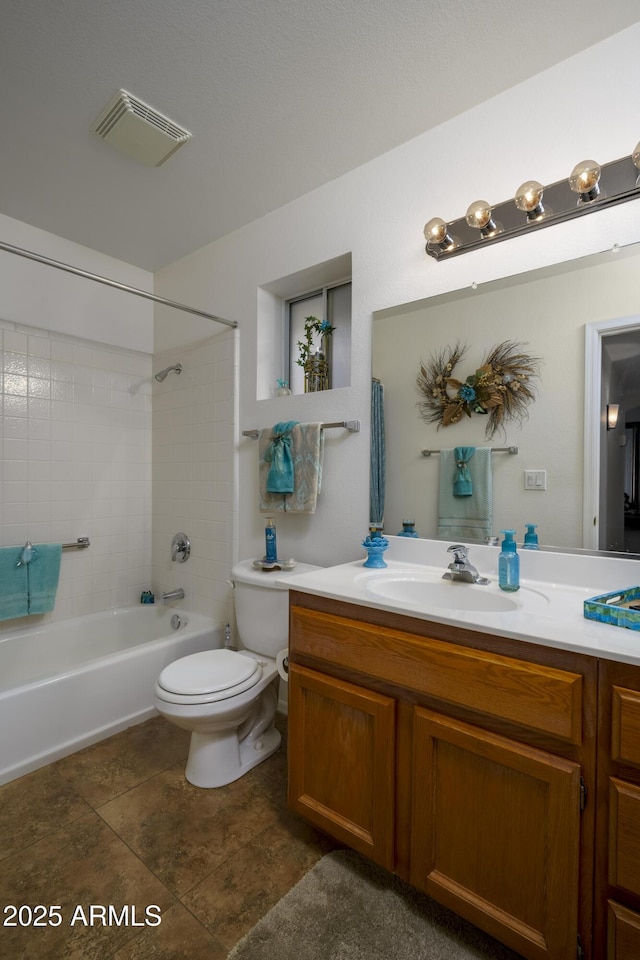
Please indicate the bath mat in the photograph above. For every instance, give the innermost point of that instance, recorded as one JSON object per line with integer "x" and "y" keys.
{"x": 347, "y": 908}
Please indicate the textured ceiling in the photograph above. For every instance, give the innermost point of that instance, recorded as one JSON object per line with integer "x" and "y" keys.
{"x": 281, "y": 96}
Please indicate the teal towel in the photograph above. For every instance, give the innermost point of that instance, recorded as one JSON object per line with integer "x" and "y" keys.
{"x": 280, "y": 478}
{"x": 43, "y": 573}
{"x": 13, "y": 585}
{"x": 307, "y": 446}
{"x": 462, "y": 482}
{"x": 469, "y": 517}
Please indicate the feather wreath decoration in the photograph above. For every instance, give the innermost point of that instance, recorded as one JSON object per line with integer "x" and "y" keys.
{"x": 502, "y": 387}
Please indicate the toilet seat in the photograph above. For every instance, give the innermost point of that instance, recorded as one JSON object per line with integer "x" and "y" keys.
{"x": 208, "y": 676}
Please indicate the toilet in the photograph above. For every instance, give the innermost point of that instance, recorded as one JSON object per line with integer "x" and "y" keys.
{"x": 228, "y": 698}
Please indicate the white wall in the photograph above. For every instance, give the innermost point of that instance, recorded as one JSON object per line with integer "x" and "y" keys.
{"x": 193, "y": 472}
{"x": 539, "y": 129}
{"x": 38, "y": 295}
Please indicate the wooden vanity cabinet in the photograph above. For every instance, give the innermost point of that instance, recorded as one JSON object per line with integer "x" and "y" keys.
{"x": 342, "y": 761}
{"x": 617, "y": 901}
{"x": 458, "y": 760}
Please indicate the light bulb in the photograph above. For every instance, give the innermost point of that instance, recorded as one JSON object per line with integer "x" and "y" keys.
{"x": 584, "y": 180}
{"x": 529, "y": 199}
{"x": 478, "y": 215}
{"x": 613, "y": 411}
{"x": 635, "y": 156}
{"x": 435, "y": 231}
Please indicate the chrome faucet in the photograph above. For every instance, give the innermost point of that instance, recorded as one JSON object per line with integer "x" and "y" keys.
{"x": 460, "y": 568}
{"x": 172, "y": 595}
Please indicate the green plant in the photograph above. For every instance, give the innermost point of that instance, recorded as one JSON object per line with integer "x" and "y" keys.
{"x": 312, "y": 326}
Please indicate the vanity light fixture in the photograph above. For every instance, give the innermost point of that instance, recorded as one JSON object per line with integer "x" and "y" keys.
{"x": 613, "y": 411}
{"x": 589, "y": 187}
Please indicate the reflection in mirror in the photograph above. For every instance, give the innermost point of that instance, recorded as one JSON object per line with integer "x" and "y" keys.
{"x": 620, "y": 522}
{"x": 548, "y": 310}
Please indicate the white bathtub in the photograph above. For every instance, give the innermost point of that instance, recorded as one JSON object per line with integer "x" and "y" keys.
{"x": 70, "y": 683}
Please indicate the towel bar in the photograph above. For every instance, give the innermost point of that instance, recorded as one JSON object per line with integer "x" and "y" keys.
{"x": 510, "y": 450}
{"x": 80, "y": 544}
{"x": 352, "y": 425}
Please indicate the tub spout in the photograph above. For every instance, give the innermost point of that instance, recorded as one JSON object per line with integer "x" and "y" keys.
{"x": 172, "y": 595}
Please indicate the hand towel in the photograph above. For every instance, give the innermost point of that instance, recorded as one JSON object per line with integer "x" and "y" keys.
{"x": 280, "y": 478}
{"x": 13, "y": 585}
{"x": 462, "y": 483}
{"x": 307, "y": 446}
{"x": 43, "y": 573}
{"x": 466, "y": 517}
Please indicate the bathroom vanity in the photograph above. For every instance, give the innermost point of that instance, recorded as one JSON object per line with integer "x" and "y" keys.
{"x": 491, "y": 756}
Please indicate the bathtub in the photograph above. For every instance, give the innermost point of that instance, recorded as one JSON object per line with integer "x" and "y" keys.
{"x": 67, "y": 684}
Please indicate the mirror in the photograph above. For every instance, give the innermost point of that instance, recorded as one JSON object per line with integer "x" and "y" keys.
{"x": 548, "y": 312}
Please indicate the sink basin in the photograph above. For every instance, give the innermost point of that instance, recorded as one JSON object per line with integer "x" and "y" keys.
{"x": 425, "y": 593}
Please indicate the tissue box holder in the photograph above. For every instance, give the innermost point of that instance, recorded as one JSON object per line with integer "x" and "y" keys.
{"x": 614, "y": 608}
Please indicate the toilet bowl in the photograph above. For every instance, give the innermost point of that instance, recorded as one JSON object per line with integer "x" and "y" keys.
{"x": 228, "y": 698}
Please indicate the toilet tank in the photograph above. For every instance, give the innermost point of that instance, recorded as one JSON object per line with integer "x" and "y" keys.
{"x": 261, "y": 600}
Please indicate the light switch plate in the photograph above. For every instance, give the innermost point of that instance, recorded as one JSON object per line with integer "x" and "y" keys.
{"x": 535, "y": 479}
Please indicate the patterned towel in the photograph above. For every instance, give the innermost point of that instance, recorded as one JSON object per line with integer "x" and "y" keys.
{"x": 307, "y": 446}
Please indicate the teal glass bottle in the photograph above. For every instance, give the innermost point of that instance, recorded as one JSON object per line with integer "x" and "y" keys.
{"x": 509, "y": 563}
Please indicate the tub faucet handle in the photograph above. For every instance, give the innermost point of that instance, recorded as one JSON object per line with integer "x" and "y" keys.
{"x": 180, "y": 547}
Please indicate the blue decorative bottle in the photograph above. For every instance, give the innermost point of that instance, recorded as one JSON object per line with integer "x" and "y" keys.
{"x": 271, "y": 552}
{"x": 509, "y": 563}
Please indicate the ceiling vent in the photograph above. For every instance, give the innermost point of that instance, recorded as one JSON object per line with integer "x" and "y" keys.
{"x": 138, "y": 130}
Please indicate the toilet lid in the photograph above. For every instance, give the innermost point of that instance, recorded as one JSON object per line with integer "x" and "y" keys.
{"x": 211, "y": 671}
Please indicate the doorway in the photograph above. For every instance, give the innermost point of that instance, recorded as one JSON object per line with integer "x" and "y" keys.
{"x": 612, "y": 445}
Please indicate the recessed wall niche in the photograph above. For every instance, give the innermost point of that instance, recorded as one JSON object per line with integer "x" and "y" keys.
{"x": 272, "y": 353}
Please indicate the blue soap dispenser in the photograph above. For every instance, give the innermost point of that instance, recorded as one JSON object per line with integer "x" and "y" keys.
{"x": 509, "y": 563}
{"x": 530, "y": 537}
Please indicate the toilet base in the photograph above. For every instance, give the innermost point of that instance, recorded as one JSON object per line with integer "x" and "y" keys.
{"x": 216, "y": 759}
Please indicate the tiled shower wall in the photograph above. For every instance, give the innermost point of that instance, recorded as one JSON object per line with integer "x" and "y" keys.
{"x": 193, "y": 472}
{"x": 75, "y": 435}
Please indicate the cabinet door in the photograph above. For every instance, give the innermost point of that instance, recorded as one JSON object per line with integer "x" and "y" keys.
{"x": 495, "y": 834}
{"x": 623, "y": 933}
{"x": 342, "y": 761}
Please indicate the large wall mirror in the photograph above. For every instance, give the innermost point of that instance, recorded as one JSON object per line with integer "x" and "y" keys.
{"x": 552, "y": 311}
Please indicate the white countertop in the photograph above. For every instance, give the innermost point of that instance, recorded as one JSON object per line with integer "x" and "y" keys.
{"x": 549, "y": 605}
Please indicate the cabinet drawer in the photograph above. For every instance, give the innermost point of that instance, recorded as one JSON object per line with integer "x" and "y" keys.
{"x": 538, "y": 698}
{"x": 623, "y": 933}
{"x": 624, "y": 835}
{"x": 625, "y": 726}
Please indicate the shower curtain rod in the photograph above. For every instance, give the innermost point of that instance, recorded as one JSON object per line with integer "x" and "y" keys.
{"x": 112, "y": 283}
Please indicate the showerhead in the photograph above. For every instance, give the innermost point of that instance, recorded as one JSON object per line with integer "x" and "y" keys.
{"x": 164, "y": 373}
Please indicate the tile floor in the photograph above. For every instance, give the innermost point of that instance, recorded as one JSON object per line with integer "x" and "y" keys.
{"x": 117, "y": 824}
